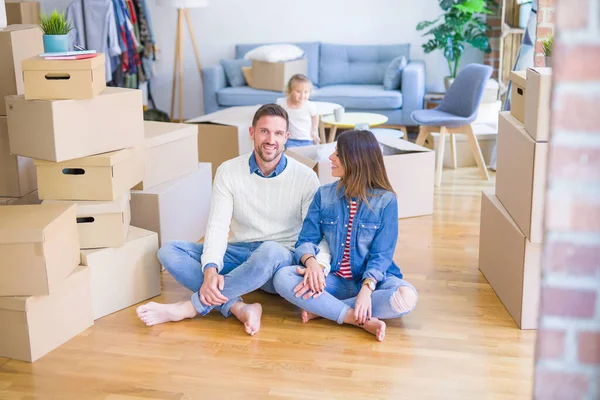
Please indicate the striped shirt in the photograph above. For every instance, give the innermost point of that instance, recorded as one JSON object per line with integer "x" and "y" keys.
{"x": 345, "y": 271}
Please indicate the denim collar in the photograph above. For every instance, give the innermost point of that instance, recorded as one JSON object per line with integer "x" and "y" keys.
{"x": 254, "y": 169}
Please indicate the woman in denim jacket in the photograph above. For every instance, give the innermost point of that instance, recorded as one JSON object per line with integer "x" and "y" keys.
{"x": 358, "y": 217}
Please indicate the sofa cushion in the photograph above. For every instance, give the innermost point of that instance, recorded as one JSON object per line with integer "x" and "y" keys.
{"x": 310, "y": 48}
{"x": 245, "y": 96}
{"x": 360, "y": 97}
{"x": 357, "y": 64}
{"x": 274, "y": 53}
{"x": 233, "y": 71}
{"x": 392, "y": 78}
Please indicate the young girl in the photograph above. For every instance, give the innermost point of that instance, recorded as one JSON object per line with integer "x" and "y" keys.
{"x": 304, "y": 121}
{"x": 358, "y": 217}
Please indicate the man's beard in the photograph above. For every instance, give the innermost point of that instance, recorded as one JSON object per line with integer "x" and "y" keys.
{"x": 264, "y": 158}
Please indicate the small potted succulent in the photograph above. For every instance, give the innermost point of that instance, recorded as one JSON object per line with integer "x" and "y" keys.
{"x": 547, "y": 49}
{"x": 56, "y": 30}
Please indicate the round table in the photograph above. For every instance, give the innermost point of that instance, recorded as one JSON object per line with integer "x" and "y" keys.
{"x": 349, "y": 120}
{"x": 324, "y": 108}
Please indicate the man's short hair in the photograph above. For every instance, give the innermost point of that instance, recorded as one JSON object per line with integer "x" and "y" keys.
{"x": 271, "y": 110}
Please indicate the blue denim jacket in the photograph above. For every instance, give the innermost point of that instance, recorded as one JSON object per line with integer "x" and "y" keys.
{"x": 373, "y": 238}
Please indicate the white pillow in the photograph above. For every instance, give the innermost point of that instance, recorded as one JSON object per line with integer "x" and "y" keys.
{"x": 275, "y": 53}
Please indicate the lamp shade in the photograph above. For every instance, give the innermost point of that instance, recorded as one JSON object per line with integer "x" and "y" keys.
{"x": 183, "y": 3}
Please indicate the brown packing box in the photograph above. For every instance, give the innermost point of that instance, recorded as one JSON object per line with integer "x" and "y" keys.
{"x": 509, "y": 262}
{"x": 106, "y": 176}
{"x": 31, "y": 198}
{"x": 39, "y": 248}
{"x": 22, "y": 12}
{"x": 101, "y": 223}
{"x": 176, "y": 210}
{"x": 67, "y": 129}
{"x": 537, "y": 103}
{"x": 518, "y": 95}
{"x": 124, "y": 276}
{"x": 31, "y": 327}
{"x": 17, "y": 42}
{"x": 275, "y": 75}
{"x": 171, "y": 151}
{"x": 407, "y": 165}
{"x": 63, "y": 79}
{"x": 17, "y": 174}
{"x": 521, "y": 176}
{"x": 224, "y": 135}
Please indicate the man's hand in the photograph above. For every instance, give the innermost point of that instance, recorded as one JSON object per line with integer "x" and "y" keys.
{"x": 313, "y": 283}
{"x": 210, "y": 292}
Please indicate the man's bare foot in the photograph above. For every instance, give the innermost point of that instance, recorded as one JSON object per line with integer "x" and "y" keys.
{"x": 154, "y": 313}
{"x": 376, "y": 327}
{"x": 249, "y": 315}
{"x": 307, "y": 316}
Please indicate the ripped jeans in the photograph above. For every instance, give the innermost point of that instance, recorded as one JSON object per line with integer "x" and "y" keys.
{"x": 340, "y": 295}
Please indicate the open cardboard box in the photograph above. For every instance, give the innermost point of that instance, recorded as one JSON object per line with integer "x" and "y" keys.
{"x": 410, "y": 169}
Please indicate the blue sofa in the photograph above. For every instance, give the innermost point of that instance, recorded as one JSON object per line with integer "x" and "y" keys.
{"x": 350, "y": 75}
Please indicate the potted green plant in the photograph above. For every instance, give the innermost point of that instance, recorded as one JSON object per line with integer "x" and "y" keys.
{"x": 461, "y": 23}
{"x": 525, "y": 7}
{"x": 547, "y": 49}
{"x": 56, "y": 28}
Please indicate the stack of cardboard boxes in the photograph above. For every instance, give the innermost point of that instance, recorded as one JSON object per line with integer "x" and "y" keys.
{"x": 74, "y": 258}
{"x": 512, "y": 218}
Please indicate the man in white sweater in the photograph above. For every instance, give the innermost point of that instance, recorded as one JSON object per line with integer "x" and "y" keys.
{"x": 262, "y": 199}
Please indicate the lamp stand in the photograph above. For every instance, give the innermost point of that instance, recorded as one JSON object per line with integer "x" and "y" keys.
{"x": 178, "y": 63}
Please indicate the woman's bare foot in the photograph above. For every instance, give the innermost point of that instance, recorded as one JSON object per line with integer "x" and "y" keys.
{"x": 249, "y": 315}
{"x": 154, "y": 313}
{"x": 376, "y": 327}
{"x": 307, "y": 316}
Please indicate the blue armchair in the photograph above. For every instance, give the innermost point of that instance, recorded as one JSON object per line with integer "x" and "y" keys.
{"x": 350, "y": 75}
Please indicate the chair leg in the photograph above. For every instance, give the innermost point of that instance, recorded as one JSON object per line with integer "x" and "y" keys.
{"x": 453, "y": 150}
{"x": 423, "y": 133}
{"x": 474, "y": 143}
{"x": 440, "y": 156}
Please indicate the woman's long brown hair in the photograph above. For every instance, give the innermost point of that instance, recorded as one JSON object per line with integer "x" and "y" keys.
{"x": 364, "y": 170}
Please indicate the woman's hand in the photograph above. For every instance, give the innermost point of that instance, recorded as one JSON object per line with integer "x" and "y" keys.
{"x": 362, "y": 307}
{"x": 313, "y": 283}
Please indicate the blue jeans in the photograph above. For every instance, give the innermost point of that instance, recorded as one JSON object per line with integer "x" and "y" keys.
{"x": 297, "y": 143}
{"x": 247, "y": 267}
{"x": 340, "y": 295}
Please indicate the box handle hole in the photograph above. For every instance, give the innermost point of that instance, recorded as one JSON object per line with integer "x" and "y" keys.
{"x": 520, "y": 91}
{"x": 58, "y": 76}
{"x": 85, "y": 220}
{"x": 73, "y": 171}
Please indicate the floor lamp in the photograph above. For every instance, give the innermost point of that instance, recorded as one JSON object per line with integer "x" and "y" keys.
{"x": 183, "y": 7}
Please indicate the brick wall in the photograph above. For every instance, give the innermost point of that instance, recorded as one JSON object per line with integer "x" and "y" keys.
{"x": 545, "y": 26}
{"x": 492, "y": 59}
{"x": 568, "y": 344}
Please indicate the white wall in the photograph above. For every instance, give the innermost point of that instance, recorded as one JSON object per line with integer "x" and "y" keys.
{"x": 227, "y": 22}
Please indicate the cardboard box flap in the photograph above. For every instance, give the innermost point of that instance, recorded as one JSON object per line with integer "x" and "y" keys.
{"x": 14, "y": 303}
{"x": 309, "y": 162}
{"x": 17, "y": 27}
{"x": 232, "y": 116}
{"x": 28, "y": 223}
{"x": 398, "y": 146}
{"x": 543, "y": 71}
{"x": 87, "y": 208}
{"x": 134, "y": 233}
{"x": 98, "y": 160}
{"x": 519, "y": 77}
{"x": 159, "y": 133}
{"x": 496, "y": 202}
{"x": 38, "y": 63}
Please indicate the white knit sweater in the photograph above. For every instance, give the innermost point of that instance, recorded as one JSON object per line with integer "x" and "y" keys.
{"x": 257, "y": 209}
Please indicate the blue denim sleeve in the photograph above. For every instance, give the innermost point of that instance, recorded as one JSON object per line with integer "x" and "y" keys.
{"x": 310, "y": 235}
{"x": 384, "y": 243}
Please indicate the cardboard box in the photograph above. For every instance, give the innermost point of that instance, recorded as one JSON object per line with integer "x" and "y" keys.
{"x": 101, "y": 223}
{"x": 486, "y": 136}
{"x": 490, "y": 93}
{"x": 176, "y": 210}
{"x": 410, "y": 169}
{"x": 63, "y": 79}
{"x": 67, "y": 129}
{"x": 521, "y": 176}
{"x": 31, "y": 327}
{"x": 275, "y": 76}
{"x": 124, "y": 276}
{"x": 30, "y": 198}
{"x": 537, "y": 103}
{"x": 22, "y": 12}
{"x": 224, "y": 135}
{"x": 39, "y": 248}
{"x": 171, "y": 151}
{"x": 17, "y": 174}
{"x": 509, "y": 262}
{"x": 17, "y": 42}
{"x": 518, "y": 95}
{"x": 106, "y": 176}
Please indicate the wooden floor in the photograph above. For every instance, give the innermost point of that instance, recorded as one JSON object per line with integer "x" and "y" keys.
{"x": 459, "y": 343}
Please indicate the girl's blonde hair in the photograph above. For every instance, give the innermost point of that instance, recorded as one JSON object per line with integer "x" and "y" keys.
{"x": 300, "y": 78}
